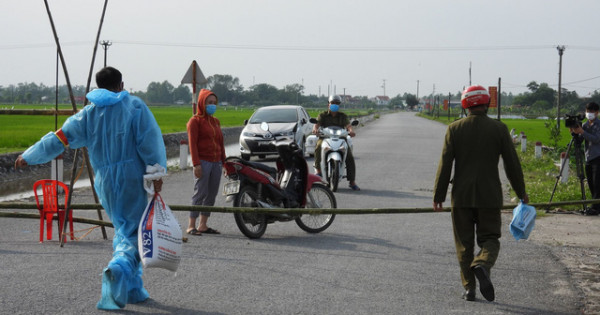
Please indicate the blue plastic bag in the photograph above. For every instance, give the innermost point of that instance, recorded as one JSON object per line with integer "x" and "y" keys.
{"x": 523, "y": 221}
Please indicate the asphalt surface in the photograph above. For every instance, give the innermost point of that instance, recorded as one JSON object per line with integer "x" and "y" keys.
{"x": 363, "y": 264}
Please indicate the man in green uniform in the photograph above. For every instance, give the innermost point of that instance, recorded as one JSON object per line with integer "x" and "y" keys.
{"x": 333, "y": 117}
{"x": 475, "y": 144}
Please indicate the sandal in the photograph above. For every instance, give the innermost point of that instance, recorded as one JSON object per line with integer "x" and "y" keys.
{"x": 210, "y": 231}
{"x": 194, "y": 232}
{"x": 354, "y": 187}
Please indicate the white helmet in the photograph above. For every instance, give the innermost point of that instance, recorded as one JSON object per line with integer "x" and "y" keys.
{"x": 335, "y": 97}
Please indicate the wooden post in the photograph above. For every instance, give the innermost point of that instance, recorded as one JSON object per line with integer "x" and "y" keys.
{"x": 74, "y": 104}
{"x": 194, "y": 97}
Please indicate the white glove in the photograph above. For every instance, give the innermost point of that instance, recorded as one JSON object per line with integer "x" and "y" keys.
{"x": 153, "y": 172}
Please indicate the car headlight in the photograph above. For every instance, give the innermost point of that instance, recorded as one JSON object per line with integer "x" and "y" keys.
{"x": 285, "y": 134}
{"x": 249, "y": 134}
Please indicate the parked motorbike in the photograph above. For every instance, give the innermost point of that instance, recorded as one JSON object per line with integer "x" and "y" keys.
{"x": 290, "y": 185}
{"x": 334, "y": 150}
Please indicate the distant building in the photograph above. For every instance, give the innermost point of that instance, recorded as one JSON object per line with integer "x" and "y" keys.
{"x": 381, "y": 100}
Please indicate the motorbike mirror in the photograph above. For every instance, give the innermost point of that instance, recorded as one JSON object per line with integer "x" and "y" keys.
{"x": 355, "y": 123}
{"x": 264, "y": 126}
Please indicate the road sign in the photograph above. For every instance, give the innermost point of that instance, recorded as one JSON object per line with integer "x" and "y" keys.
{"x": 194, "y": 75}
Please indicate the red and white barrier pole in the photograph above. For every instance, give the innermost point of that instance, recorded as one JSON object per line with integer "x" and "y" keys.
{"x": 523, "y": 143}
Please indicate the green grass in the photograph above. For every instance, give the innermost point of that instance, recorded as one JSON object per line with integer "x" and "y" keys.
{"x": 18, "y": 132}
{"x": 174, "y": 119}
{"x": 540, "y": 177}
{"x": 534, "y": 129}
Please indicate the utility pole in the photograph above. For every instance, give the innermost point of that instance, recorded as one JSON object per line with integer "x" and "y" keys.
{"x": 433, "y": 96}
{"x": 105, "y": 44}
{"x": 418, "y": 101}
{"x": 449, "y": 96}
{"x": 561, "y": 49}
{"x": 383, "y": 86}
{"x": 469, "y": 73}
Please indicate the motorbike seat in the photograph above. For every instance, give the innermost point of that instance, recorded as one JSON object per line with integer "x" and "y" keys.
{"x": 265, "y": 168}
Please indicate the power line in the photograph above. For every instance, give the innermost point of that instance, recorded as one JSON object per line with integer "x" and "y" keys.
{"x": 289, "y": 48}
{"x": 336, "y": 48}
{"x": 306, "y": 48}
{"x": 583, "y": 80}
{"x": 42, "y": 45}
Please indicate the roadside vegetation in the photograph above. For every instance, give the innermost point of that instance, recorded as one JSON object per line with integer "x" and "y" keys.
{"x": 540, "y": 174}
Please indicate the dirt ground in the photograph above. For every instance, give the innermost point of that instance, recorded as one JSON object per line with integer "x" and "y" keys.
{"x": 575, "y": 240}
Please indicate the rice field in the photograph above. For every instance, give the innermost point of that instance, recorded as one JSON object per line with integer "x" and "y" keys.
{"x": 18, "y": 132}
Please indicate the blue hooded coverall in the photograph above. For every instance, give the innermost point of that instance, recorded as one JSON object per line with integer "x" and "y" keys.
{"x": 122, "y": 138}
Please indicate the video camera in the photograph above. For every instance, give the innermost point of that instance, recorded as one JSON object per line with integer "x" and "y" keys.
{"x": 573, "y": 121}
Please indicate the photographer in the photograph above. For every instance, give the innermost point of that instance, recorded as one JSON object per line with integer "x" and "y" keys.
{"x": 590, "y": 131}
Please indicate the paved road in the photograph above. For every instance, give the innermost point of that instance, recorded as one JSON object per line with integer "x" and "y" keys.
{"x": 364, "y": 264}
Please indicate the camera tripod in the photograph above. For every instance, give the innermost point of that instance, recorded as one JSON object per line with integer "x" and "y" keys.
{"x": 577, "y": 140}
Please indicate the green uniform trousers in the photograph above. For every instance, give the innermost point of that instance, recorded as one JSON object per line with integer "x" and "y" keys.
{"x": 350, "y": 166}
{"x": 483, "y": 225}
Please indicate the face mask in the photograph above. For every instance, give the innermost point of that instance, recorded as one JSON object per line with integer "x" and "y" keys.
{"x": 590, "y": 116}
{"x": 211, "y": 109}
{"x": 334, "y": 107}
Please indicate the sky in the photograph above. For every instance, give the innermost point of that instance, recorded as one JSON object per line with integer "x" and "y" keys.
{"x": 359, "y": 48}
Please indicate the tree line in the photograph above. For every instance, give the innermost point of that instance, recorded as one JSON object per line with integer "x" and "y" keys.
{"x": 540, "y": 98}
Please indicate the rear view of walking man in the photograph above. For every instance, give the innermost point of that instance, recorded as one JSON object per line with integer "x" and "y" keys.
{"x": 474, "y": 144}
{"x": 123, "y": 140}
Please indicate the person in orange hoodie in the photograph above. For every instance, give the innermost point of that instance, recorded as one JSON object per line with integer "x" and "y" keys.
{"x": 208, "y": 154}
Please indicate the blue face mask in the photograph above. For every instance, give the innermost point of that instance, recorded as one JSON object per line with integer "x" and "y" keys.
{"x": 334, "y": 107}
{"x": 211, "y": 109}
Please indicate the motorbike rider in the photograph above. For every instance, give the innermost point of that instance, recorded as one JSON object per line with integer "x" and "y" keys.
{"x": 333, "y": 117}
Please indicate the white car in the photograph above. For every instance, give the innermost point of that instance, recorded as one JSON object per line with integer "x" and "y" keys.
{"x": 284, "y": 120}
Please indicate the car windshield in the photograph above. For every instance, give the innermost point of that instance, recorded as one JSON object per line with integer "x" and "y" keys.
{"x": 272, "y": 115}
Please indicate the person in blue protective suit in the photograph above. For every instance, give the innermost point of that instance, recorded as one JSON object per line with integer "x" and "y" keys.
{"x": 123, "y": 139}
